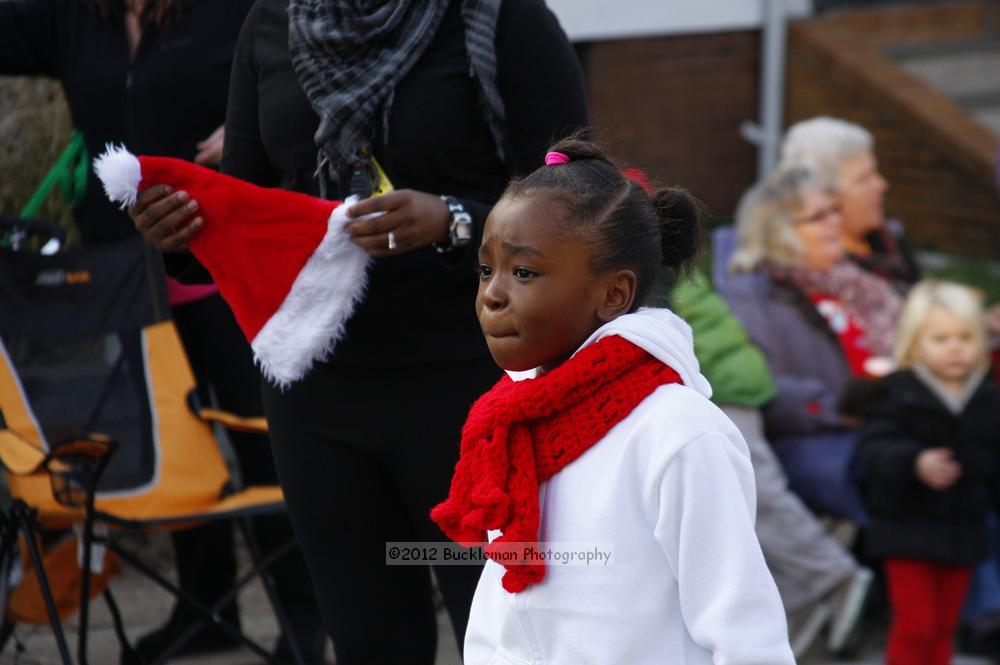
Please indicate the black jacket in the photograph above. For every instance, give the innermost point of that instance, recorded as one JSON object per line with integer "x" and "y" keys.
{"x": 170, "y": 97}
{"x": 908, "y": 518}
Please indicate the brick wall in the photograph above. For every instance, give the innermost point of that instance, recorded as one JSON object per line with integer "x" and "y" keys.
{"x": 937, "y": 158}
{"x": 673, "y": 106}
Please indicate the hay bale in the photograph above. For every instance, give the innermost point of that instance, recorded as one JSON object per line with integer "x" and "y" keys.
{"x": 34, "y": 128}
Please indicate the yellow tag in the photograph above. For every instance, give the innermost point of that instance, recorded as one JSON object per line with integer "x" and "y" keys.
{"x": 383, "y": 185}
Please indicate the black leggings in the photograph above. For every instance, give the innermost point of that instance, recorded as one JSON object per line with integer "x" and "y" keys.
{"x": 363, "y": 454}
{"x": 222, "y": 363}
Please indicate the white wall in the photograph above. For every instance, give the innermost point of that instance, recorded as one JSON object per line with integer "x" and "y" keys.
{"x": 586, "y": 20}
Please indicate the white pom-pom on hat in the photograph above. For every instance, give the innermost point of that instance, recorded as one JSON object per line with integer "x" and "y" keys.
{"x": 120, "y": 173}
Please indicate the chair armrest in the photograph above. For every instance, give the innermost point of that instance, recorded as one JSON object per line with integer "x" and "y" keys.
{"x": 233, "y": 422}
{"x": 18, "y": 456}
{"x": 75, "y": 466}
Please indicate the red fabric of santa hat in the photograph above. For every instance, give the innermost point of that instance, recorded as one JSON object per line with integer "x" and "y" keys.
{"x": 282, "y": 260}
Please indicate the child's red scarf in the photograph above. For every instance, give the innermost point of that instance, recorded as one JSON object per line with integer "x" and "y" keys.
{"x": 521, "y": 433}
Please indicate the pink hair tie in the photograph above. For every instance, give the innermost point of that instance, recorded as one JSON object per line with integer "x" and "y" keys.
{"x": 553, "y": 158}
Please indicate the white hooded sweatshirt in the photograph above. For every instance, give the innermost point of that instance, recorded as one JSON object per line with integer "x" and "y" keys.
{"x": 670, "y": 491}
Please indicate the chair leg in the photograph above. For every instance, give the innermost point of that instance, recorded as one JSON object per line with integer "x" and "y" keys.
{"x": 88, "y": 539}
{"x": 9, "y": 546}
{"x": 208, "y": 614}
{"x": 272, "y": 594}
{"x": 90, "y": 474}
{"x": 24, "y": 516}
{"x": 8, "y": 552}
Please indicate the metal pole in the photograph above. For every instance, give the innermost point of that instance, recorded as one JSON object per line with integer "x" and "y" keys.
{"x": 772, "y": 97}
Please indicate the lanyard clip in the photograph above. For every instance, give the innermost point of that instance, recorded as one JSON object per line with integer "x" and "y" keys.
{"x": 323, "y": 162}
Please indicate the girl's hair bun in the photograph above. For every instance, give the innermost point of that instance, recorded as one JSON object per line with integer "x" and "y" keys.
{"x": 680, "y": 215}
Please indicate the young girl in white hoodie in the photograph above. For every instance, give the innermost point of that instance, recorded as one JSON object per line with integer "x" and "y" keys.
{"x": 608, "y": 443}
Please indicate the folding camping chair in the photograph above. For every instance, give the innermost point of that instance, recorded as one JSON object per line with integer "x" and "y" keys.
{"x": 100, "y": 425}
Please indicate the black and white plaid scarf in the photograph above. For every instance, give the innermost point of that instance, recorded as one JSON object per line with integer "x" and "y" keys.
{"x": 349, "y": 56}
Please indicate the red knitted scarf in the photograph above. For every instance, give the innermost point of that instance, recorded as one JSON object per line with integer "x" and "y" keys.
{"x": 521, "y": 433}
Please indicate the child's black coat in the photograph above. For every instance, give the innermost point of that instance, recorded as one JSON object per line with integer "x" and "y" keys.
{"x": 908, "y": 518}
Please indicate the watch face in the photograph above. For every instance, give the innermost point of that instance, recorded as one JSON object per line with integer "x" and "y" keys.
{"x": 463, "y": 232}
{"x": 461, "y": 228}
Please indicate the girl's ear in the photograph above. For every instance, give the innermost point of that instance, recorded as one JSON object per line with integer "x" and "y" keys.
{"x": 618, "y": 288}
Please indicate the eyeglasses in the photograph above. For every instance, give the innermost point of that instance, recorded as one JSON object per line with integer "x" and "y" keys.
{"x": 820, "y": 215}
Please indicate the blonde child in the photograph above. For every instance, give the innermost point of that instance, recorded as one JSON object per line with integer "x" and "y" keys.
{"x": 929, "y": 450}
{"x": 608, "y": 441}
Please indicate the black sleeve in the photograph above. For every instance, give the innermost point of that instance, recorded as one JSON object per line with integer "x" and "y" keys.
{"x": 183, "y": 267}
{"x": 887, "y": 453}
{"x": 30, "y": 37}
{"x": 243, "y": 154}
{"x": 540, "y": 81}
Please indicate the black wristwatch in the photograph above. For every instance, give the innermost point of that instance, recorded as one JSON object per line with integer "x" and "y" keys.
{"x": 459, "y": 228}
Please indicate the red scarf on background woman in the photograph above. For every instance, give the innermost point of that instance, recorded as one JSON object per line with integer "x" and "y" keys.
{"x": 521, "y": 433}
{"x": 872, "y": 302}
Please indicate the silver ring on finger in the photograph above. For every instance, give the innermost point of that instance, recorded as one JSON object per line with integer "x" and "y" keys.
{"x": 392, "y": 240}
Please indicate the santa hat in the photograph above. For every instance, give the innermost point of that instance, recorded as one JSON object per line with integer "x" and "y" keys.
{"x": 282, "y": 260}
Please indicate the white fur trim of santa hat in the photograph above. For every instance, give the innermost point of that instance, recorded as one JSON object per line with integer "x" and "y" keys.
{"x": 311, "y": 320}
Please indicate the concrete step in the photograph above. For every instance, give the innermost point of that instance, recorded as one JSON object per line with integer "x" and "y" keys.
{"x": 989, "y": 117}
{"x": 967, "y": 71}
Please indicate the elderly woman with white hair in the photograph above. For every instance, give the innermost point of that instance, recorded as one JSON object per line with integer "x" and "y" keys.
{"x": 820, "y": 321}
{"x": 843, "y": 155}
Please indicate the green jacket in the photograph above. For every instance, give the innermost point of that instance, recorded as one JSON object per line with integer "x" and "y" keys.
{"x": 735, "y": 367}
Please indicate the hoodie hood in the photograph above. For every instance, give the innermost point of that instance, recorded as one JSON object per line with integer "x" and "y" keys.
{"x": 663, "y": 335}
{"x": 659, "y": 332}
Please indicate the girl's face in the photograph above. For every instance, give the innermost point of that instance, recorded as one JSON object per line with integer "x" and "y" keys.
{"x": 818, "y": 227}
{"x": 538, "y": 300}
{"x": 947, "y": 345}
